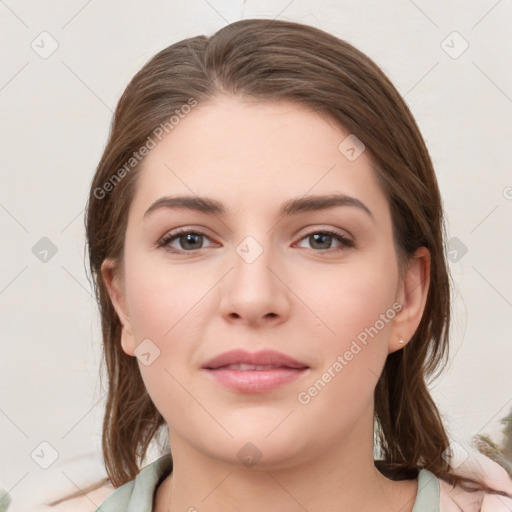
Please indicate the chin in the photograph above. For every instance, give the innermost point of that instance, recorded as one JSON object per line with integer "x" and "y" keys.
{"x": 259, "y": 451}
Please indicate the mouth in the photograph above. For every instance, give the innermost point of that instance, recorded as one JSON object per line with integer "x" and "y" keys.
{"x": 258, "y": 372}
{"x": 248, "y": 367}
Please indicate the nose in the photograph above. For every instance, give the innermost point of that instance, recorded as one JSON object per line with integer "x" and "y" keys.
{"x": 254, "y": 292}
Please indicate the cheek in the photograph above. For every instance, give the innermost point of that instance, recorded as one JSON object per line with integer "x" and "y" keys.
{"x": 161, "y": 298}
{"x": 354, "y": 330}
{"x": 165, "y": 316}
{"x": 354, "y": 300}
{"x": 162, "y": 311}
{"x": 359, "y": 314}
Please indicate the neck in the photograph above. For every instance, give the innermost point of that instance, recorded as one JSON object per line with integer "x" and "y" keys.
{"x": 343, "y": 478}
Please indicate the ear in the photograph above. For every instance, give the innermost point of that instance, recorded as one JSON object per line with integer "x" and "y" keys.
{"x": 111, "y": 274}
{"x": 412, "y": 295}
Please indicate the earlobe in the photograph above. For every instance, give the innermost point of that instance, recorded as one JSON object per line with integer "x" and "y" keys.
{"x": 127, "y": 342}
{"x": 413, "y": 297}
{"x": 115, "y": 289}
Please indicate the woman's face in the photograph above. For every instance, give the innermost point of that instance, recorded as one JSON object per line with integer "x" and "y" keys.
{"x": 259, "y": 273}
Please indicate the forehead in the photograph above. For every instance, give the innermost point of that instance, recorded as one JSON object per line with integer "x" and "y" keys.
{"x": 255, "y": 152}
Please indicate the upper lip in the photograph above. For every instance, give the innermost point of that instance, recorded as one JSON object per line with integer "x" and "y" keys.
{"x": 262, "y": 358}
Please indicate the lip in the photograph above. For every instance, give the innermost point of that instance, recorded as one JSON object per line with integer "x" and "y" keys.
{"x": 284, "y": 369}
{"x": 262, "y": 358}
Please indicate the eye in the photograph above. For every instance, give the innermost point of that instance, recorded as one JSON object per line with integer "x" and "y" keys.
{"x": 188, "y": 240}
{"x": 325, "y": 237}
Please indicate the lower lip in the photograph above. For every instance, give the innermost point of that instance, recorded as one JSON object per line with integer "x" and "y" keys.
{"x": 255, "y": 381}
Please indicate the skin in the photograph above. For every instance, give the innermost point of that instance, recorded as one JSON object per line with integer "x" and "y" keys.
{"x": 306, "y": 299}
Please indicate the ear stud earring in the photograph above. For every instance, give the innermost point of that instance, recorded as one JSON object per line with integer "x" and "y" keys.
{"x": 401, "y": 341}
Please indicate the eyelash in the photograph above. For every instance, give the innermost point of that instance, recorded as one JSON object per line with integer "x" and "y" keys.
{"x": 167, "y": 239}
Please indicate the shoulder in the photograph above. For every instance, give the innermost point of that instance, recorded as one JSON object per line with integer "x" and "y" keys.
{"x": 117, "y": 500}
{"x": 87, "y": 502}
{"x": 137, "y": 494}
{"x": 489, "y": 474}
{"x": 457, "y": 499}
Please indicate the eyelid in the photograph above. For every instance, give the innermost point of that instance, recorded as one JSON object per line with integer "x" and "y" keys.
{"x": 328, "y": 229}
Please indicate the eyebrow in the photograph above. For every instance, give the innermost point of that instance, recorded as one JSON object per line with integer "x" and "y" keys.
{"x": 291, "y": 207}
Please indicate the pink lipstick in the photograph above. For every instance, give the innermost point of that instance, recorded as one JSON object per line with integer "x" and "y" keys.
{"x": 255, "y": 372}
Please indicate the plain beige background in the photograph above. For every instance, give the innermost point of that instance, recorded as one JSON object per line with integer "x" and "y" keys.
{"x": 65, "y": 65}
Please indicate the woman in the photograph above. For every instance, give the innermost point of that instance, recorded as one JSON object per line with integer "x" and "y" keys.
{"x": 265, "y": 233}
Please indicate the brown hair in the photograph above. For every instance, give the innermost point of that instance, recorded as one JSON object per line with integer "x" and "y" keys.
{"x": 272, "y": 60}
